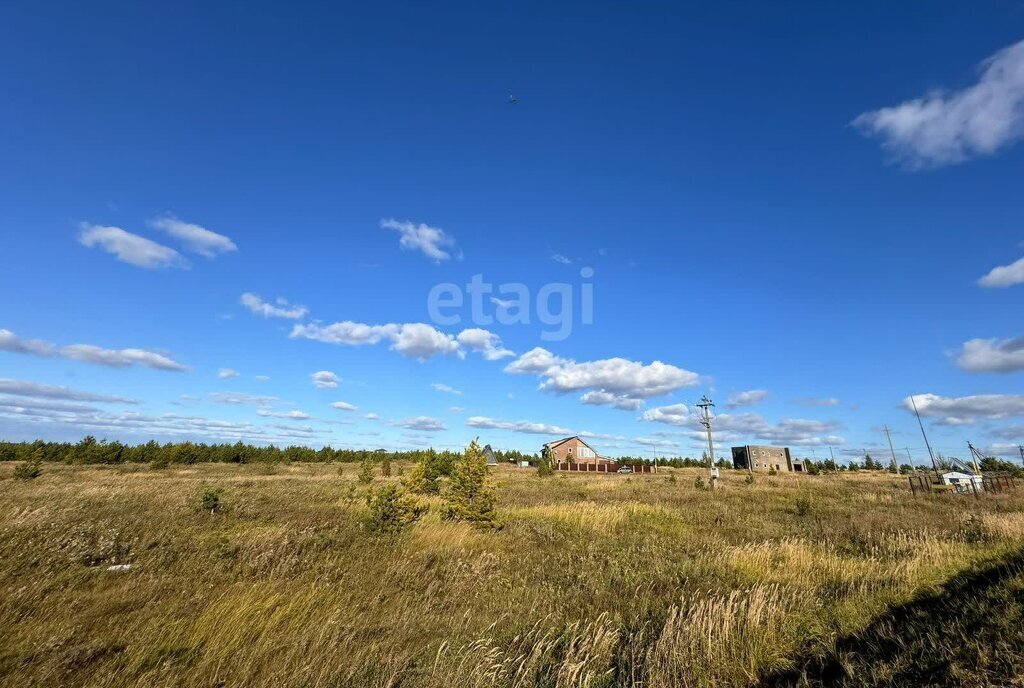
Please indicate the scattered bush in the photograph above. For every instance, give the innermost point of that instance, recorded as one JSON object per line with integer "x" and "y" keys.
{"x": 212, "y": 499}
{"x": 385, "y": 468}
{"x": 749, "y": 480}
{"x": 699, "y": 484}
{"x": 160, "y": 462}
{"x": 803, "y": 505}
{"x": 341, "y": 471}
{"x": 772, "y": 471}
{"x": 392, "y": 510}
{"x": 471, "y": 496}
{"x": 28, "y": 470}
{"x": 973, "y": 530}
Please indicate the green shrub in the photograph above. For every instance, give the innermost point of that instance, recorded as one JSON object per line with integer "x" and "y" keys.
{"x": 772, "y": 471}
{"x": 211, "y": 499}
{"x": 385, "y": 468}
{"x": 341, "y": 471}
{"x": 802, "y": 505}
{"x": 749, "y": 480}
{"x": 160, "y": 462}
{"x": 471, "y": 496}
{"x": 28, "y": 470}
{"x": 392, "y": 510}
{"x": 699, "y": 484}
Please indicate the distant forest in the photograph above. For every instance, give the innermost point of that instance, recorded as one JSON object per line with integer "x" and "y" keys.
{"x": 89, "y": 450}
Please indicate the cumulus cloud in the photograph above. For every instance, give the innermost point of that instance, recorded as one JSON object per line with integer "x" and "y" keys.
{"x": 88, "y": 353}
{"x": 485, "y": 342}
{"x": 992, "y": 355}
{"x": 196, "y": 238}
{"x": 748, "y": 398}
{"x": 227, "y": 373}
{"x": 279, "y": 309}
{"x": 413, "y": 340}
{"x": 344, "y": 406}
{"x": 421, "y": 423}
{"x": 616, "y": 381}
{"x": 447, "y": 389}
{"x": 559, "y": 258}
{"x": 966, "y": 410}
{"x": 945, "y": 128}
{"x": 1004, "y": 275}
{"x": 734, "y": 427}
{"x": 619, "y": 401}
{"x": 34, "y": 389}
{"x": 325, "y": 379}
{"x": 130, "y": 248}
{"x": 371, "y": 416}
{"x": 521, "y": 426}
{"x": 421, "y": 237}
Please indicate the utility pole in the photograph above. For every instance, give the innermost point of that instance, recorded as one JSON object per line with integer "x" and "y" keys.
{"x": 835, "y": 466}
{"x": 1021, "y": 447}
{"x": 705, "y": 406}
{"x": 893, "y": 451}
{"x": 926, "y": 443}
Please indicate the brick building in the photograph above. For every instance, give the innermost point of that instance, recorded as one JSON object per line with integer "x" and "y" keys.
{"x": 574, "y": 450}
{"x": 755, "y": 457}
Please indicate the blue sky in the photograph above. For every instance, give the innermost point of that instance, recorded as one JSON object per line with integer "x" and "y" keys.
{"x": 806, "y": 211}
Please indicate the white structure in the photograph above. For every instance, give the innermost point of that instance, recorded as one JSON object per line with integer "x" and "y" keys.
{"x": 962, "y": 481}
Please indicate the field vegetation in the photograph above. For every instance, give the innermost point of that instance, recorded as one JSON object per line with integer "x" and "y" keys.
{"x": 284, "y": 573}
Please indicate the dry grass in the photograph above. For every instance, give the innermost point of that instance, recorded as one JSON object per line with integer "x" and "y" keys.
{"x": 592, "y": 581}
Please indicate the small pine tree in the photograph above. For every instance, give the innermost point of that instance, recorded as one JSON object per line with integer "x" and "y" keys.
{"x": 385, "y": 467}
{"x": 545, "y": 466}
{"x": 422, "y": 479}
{"x": 29, "y": 470}
{"x": 366, "y": 471}
{"x": 749, "y": 480}
{"x": 471, "y": 495}
{"x": 392, "y": 510}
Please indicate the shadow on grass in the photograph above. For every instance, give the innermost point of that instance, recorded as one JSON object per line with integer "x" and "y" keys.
{"x": 969, "y": 633}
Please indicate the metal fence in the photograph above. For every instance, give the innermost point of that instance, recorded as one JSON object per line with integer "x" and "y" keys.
{"x": 610, "y": 467}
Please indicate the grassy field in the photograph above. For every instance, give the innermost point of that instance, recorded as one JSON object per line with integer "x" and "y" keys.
{"x": 590, "y": 581}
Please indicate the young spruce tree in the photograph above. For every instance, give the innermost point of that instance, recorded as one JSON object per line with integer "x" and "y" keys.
{"x": 470, "y": 496}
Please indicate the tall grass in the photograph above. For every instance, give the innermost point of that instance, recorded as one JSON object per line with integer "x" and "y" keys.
{"x": 593, "y": 581}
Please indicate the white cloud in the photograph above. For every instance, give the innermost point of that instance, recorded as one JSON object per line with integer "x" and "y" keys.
{"x": 34, "y": 389}
{"x": 420, "y": 237}
{"x": 288, "y": 415}
{"x": 15, "y": 344}
{"x": 325, "y": 379}
{"x": 279, "y": 309}
{"x": 966, "y": 410}
{"x": 676, "y": 414}
{"x": 196, "y": 238}
{"x": 130, "y": 248}
{"x": 819, "y": 401}
{"x": 559, "y": 258}
{"x": 371, "y": 416}
{"x": 748, "y": 398}
{"x": 456, "y": 409}
{"x": 240, "y": 398}
{"x": 601, "y": 398}
{"x": 412, "y": 340}
{"x": 421, "y": 341}
{"x": 992, "y": 355}
{"x": 616, "y": 381}
{"x": 447, "y": 389}
{"x": 344, "y": 406}
{"x": 516, "y": 426}
{"x": 734, "y": 427}
{"x": 422, "y": 423}
{"x": 260, "y": 378}
{"x": 485, "y": 342}
{"x": 347, "y": 332}
{"x": 1004, "y": 275}
{"x": 227, "y": 373}
{"x": 88, "y": 353}
{"x": 944, "y": 128}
